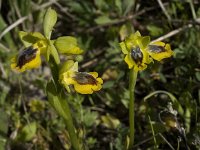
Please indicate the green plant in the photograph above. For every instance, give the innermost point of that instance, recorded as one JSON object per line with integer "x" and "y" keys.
{"x": 66, "y": 74}
{"x": 139, "y": 53}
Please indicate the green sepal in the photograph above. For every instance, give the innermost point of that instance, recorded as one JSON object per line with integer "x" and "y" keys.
{"x": 68, "y": 65}
{"x": 145, "y": 41}
{"x": 54, "y": 52}
{"x": 50, "y": 19}
{"x": 67, "y": 45}
{"x": 29, "y": 38}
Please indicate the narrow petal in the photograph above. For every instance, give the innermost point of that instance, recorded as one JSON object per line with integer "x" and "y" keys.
{"x": 123, "y": 47}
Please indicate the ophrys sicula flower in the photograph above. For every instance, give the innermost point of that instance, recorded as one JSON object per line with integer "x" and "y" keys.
{"x": 139, "y": 52}
{"x": 29, "y": 58}
{"x": 83, "y": 82}
{"x": 134, "y": 48}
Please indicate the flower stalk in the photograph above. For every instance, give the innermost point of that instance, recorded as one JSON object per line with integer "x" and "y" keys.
{"x": 57, "y": 99}
{"x": 139, "y": 53}
{"x": 64, "y": 111}
{"x": 132, "y": 83}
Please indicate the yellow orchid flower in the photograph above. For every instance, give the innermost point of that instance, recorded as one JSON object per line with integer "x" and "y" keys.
{"x": 140, "y": 52}
{"x": 134, "y": 47}
{"x": 27, "y": 59}
{"x": 83, "y": 82}
{"x": 159, "y": 50}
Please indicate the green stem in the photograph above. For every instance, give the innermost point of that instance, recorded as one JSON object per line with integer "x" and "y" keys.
{"x": 58, "y": 101}
{"x": 132, "y": 82}
{"x": 69, "y": 124}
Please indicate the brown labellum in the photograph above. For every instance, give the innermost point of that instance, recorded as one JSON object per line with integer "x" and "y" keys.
{"x": 26, "y": 56}
{"x": 156, "y": 48}
{"x": 136, "y": 55}
{"x": 84, "y": 78}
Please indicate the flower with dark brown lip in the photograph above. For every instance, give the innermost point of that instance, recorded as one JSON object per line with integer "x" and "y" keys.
{"x": 139, "y": 52}
{"x": 27, "y": 59}
{"x": 134, "y": 48}
{"x": 159, "y": 50}
{"x": 83, "y": 82}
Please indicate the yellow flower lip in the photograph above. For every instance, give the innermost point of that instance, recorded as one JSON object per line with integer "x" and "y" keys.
{"x": 87, "y": 83}
{"x": 26, "y": 56}
{"x": 83, "y": 82}
{"x": 85, "y": 78}
{"x": 159, "y": 50}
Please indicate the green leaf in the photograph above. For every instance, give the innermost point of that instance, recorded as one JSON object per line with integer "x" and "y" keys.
{"x": 28, "y": 132}
{"x": 127, "y": 6}
{"x": 76, "y": 6}
{"x": 54, "y": 53}
{"x": 145, "y": 41}
{"x": 101, "y": 4}
{"x": 30, "y": 38}
{"x": 118, "y": 3}
{"x": 67, "y": 45}
{"x": 50, "y": 19}
{"x": 89, "y": 117}
{"x": 103, "y": 20}
{"x": 154, "y": 30}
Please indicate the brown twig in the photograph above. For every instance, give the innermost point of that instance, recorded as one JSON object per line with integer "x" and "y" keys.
{"x": 172, "y": 33}
{"x": 124, "y": 19}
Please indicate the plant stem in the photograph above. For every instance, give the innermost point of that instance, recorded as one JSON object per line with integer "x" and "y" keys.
{"x": 61, "y": 106}
{"x": 132, "y": 82}
{"x": 69, "y": 124}
{"x": 58, "y": 101}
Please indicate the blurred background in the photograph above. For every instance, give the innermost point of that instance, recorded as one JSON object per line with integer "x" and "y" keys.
{"x": 28, "y": 122}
